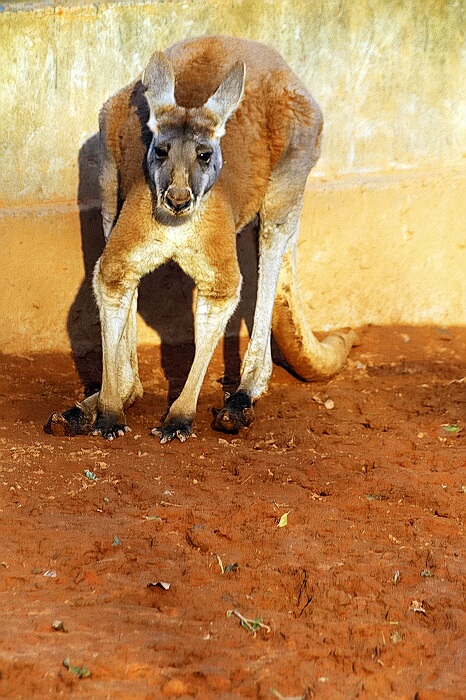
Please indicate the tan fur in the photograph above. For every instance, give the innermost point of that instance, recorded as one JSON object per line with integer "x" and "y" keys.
{"x": 270, "y": 143}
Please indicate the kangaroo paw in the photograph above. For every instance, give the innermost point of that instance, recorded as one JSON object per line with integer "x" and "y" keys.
{"x": 75, "y": 421}
{"x": 110, "y": 425}
{"x": 237, "y": 413}
{"x": 180, "y": 428}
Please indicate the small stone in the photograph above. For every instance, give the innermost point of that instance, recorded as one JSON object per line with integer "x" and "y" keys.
{"x": 59, "y": 626}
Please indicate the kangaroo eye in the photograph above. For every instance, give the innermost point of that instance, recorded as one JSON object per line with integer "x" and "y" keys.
{"x": 161, "y": 152}
{"x": 205, "y": 156}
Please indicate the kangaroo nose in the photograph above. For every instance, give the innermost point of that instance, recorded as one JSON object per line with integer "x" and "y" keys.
{"x": 178, "y": 198}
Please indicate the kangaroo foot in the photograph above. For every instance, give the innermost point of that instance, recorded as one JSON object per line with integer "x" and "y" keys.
{"x": 237, "y": 413}
{"x": 110, "y": 425}
{"x": 76, "y": 421}
{"x": 181, "y": 428}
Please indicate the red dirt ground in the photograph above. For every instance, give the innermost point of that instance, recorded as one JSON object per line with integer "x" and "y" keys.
{"x": 362, "y": 591}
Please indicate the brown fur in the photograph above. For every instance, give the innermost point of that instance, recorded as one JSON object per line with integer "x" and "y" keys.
{"x": 274, "y": 105}
{"x": 270, "y": 142}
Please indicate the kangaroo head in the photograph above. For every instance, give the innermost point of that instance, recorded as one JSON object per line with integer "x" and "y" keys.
{"x": 184, "y": 158}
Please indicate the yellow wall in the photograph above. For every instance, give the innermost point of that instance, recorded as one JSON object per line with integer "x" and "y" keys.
{"x": 383, "y": 231}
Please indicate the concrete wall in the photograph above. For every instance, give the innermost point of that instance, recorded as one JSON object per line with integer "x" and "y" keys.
{"x": 383, "y": 230}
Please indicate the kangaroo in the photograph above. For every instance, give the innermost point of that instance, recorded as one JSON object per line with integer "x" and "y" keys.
{"x": 216, "y": 132}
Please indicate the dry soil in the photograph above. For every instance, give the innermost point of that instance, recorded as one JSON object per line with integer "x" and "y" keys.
{"x": 359, "y": 590}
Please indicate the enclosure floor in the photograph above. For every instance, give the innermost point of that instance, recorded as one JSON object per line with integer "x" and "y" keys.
{"x": 361, "y": 592}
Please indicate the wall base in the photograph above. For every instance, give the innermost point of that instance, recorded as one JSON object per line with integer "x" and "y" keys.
{"x": 381, "y": 249}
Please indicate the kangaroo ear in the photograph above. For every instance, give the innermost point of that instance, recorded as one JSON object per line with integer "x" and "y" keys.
{"x": 227, "y": 97}
{"x": 159, "y": 80}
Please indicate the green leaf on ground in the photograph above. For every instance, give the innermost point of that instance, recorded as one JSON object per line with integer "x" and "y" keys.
{"x": 451, "y": 428}
{"x": 79, "y": 671}
{"x": 283, "y": 522}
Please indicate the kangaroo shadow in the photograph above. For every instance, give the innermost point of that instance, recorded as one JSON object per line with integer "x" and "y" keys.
{"x": 165, "y": 297}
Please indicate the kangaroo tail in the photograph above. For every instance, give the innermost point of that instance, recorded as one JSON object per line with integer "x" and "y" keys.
{"x": 307, "y": 356}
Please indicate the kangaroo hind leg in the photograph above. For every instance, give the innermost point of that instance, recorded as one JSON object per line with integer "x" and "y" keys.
{"x": 81, "y": 418}
{"x": 256, "y": 369}
{"x": 282, "y": 311}
{"x": 295, "y": 123}
{"x": 211, "y": 317}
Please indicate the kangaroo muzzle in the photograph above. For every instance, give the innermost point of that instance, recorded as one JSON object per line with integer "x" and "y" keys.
{"x": 178, "y": 200}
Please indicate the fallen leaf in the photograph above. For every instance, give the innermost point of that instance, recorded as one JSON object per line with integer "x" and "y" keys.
{"x": 90, "y": 475}
{"x": 426, "y": 573}
{"x": 50, "y": 573}
{"x": 450, "y": 428}
{"x": 458, "y": 381}
{"x": 249, "y": 624}
{"x": 283, "y": 522}
{"x": 159, "y": 584}
{"x": 79, "y": 671}
{"x": 231, "y": 567}
{"x": 418, "y": 606}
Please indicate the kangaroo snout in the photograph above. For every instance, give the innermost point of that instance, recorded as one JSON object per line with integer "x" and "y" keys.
{"x": 178, "y": 199}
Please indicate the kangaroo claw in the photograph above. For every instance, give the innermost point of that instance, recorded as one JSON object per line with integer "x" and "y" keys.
{"x": 237, "y": 413}
{"x": 180, "y": 428}
{"x": 75, "y": 421}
